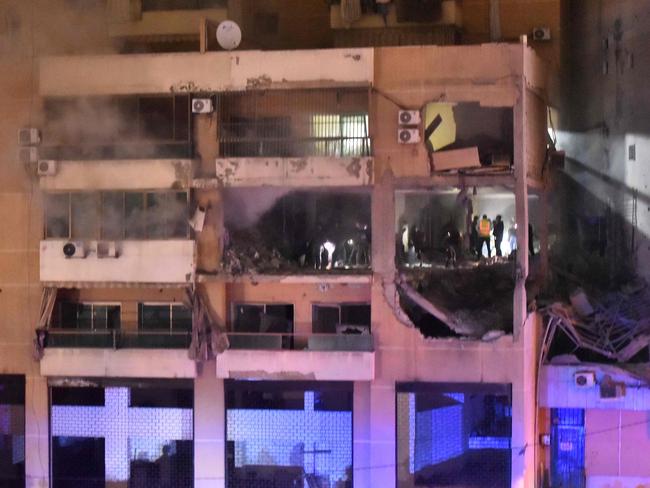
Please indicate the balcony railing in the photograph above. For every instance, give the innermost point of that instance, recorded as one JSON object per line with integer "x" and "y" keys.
{"x": 118, "y": 339}
{"x": 301, "y": 342}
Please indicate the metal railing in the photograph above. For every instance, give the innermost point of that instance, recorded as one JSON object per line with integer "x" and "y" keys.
{"x": 118, "y": 339}
{"x": 300, "y": 342}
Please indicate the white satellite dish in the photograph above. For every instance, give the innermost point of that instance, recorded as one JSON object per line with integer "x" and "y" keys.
{"x": 228, "y": 35}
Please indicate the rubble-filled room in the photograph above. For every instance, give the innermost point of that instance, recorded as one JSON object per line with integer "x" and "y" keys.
{"x": 455, "y": 249}
{"x": 274, "y": 230}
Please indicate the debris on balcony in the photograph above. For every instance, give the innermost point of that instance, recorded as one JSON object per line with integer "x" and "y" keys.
{"x": 614, "y": 327}
{"x": 297, "y": 232}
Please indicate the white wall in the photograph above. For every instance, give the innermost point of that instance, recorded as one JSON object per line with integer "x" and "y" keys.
{"x": 155, "y": 261}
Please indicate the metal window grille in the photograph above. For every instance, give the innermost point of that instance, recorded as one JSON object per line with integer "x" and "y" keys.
{"x": 283, "y": 435}
{"x": 95, "y": 440}
{"x": 294, "y": 123}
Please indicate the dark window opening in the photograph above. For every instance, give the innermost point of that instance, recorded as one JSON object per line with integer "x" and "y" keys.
{"x": 78, "y": 461}
{"x": 341, "y": 318}
{"x": 272, "y": 325}
{"x": 456, "y": 435}
{"x": 154, "y": 5}
{"x": 151, "y": 397}
{"x": 12, "y": 437}
{"x": 88, "y": 316}
{"x": 86, "y": 396}
{"x": 168, "y": 316}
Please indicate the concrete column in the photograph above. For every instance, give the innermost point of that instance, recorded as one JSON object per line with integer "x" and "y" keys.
{"x": 524, "y": 408}
{"x": 361, "y": 434}
{"x": 209, "y": 429}
{"x": 382, "y": 434}
{"x": 521, "y": 210}
{"x": 383, "y": 225}
{"x": 37, "y": 453}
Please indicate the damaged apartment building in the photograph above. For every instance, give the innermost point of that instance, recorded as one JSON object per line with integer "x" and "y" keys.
{"x": 259, "y": 268}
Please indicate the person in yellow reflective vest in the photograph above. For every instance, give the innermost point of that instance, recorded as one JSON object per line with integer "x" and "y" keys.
{"x": 484, "y": 229}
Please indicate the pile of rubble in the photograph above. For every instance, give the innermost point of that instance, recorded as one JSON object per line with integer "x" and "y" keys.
{"x": 247, "y": 253}
{"x": 475, "y": 303}
{"x": 614, "y": 326}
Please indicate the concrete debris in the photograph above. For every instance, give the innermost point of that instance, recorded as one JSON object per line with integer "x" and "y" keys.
{"x": 616, "y": 327}
{"x": 208, "y": 337}
{"x": 471, "y": 303}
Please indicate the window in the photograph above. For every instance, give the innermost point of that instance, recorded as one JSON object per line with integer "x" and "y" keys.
{"x": 330, "y": 319}
{"x": 340, "y": 135}
{"x": 57, "y": 207}
{"x": 270, "y": 318}
{"x": 149, "y": 5}
{"x": 95, "y": 440}
{"x": 86, "y": 316}
{"x": 12, "y": 430}
{"x": 294, "y": 431}
{"x": 164, "y": 316}
{"x": 444, "y": 427}
{"x": 117, "y": 215}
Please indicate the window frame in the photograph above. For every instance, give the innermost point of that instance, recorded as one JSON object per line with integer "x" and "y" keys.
{"x": 339, "y": 305}
{"x": 169, "y": 329}
{"x": 235, "y": 304}
{"x": 92, "y": 305}
{"x": 99, "y": 230}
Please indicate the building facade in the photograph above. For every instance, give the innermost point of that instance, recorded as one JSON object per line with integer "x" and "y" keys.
{"x": 228, "y": 265}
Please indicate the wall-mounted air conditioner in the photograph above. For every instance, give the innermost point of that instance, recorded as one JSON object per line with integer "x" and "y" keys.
{"x": 201, "y": 106}
{"x": 408, "y": 136}
{"x": 74, "y": 250}
{"x": 29, "y": 136}
{"x": 584, "y": 379}
{"x": 28, "y": 155}
{"x": 107, "y": 249}
{"x": 46, "y": 167}
{"x": 409, "y": 117}
{"x": 541, "y": 34}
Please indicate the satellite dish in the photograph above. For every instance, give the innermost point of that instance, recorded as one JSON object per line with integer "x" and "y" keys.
{"x": 228, "y": 35}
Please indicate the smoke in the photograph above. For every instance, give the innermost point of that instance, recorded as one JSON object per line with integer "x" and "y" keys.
{"x": 243, "y": 207}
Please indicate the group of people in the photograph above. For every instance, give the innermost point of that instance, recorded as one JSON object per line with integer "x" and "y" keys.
{"x": 481, "y": 233}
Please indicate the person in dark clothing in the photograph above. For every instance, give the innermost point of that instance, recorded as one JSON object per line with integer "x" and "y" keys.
{"x": 498, "y": 234}
{"x": 473, "y": 238}
{"x": 531, "y": 245}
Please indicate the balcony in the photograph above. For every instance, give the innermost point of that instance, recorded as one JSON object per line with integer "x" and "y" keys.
{"x": 117, "y": 353}
{"x": 133, "y": 261}
{"x": 323, "y": 357}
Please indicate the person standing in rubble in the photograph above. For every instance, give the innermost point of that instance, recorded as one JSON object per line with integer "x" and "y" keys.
{"x": 473, "y": 238}
{"x": 484, "y": 230}
{"x": 498, "y": 234}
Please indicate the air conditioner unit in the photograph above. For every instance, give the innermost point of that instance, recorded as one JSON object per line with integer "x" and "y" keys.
{"x": 29, "y": 136}
{"x": 28, "y": 155}
{"x": 74, "y": 250}
{"x": 408, "y": 136}
{"x": 106, "y": 249}
{"x": 409, "y": 117}
{"x": 541, "y": 34}
{"x": 201, "y": 106}
{"x": 46, "y": 167}
{"x": 584, "y": 379}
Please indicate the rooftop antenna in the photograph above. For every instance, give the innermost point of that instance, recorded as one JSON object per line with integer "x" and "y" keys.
{"x": 228, "y": 35}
